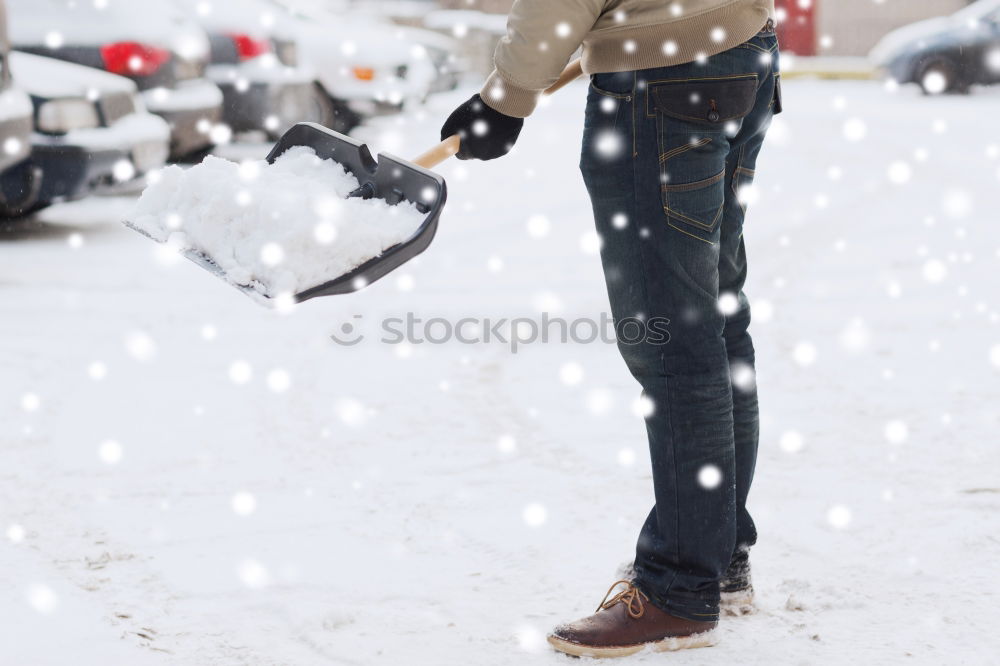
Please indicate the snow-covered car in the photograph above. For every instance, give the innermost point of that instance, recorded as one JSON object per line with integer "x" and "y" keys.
{"x": 253, "y": 61}
{"x": 441, "y": 50}
{"x": 19, "y": 181}
{"x": 945, "y": 54}
{"x": 91, "y": 131}
{"x": 163, "y": 52}
{"x": 361, "y": 63}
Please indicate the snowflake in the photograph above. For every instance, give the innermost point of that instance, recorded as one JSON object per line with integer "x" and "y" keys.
{"x": 709, "y": 477}
{"x": 791, "y": 441}
{"x": 538, "y": 226}
{"x": 643, "y": 407}
{"x": 30, "y": 402}
{"x": 728, "y": 304}
{"x": 609, "y": 144}
{"x": 804, "y": 354}
{"x": 855, "y": 130}
{"x": 240, "y": 372}
{"x": 16, "y": 533}
{"x": 42, "y": 598}
{"x": 279, "y": 380}
{"x": 571, "y": 374}
{"x": 506, "y": 444}
{"x": 271, "y": 254}
{"x": 839, "y": 516}
{"x": 253, "y": 574}
{"x": 110, "y": 452}
{"x": 243, "y": 503}
{"x": 534, "y": 515}
{"x": 140, "y": 346}
{"x": 900, "y": 172}
{"x": 896, "y": 432}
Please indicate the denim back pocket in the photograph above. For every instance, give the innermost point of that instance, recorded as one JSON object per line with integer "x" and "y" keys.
{"x": 694, "y": 120}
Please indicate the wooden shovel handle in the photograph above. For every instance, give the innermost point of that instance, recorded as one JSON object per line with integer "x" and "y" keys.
{"x": 572, "y": 72}
{"x": 450, "y": 146}
{"x": 439, "y": 153}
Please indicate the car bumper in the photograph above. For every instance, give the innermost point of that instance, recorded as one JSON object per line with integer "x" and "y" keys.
{"x": 268, "y": 106}
{"x": 371, "y": 107}
{"x": 899, "y": 69}
{"x": 191, "y": 110}
{"x": 99, "y": 160}
{"x": 71, "y": 172}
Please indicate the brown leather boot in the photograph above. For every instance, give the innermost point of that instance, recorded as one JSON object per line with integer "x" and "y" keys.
{"x": 627, "y": 623}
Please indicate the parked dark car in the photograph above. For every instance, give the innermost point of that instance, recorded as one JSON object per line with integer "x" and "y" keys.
{"x": 164, "y": 53}
{"x": 19, "y": 181}
{"x": 256, "y": 66}
{"x": 91, "y": 132}
{"x": 946, "y": 54}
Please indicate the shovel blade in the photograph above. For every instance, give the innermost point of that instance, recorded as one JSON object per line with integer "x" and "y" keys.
{"x": 388, "y": 178}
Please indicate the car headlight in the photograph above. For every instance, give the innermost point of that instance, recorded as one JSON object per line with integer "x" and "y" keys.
{"x": 58, "y": 116}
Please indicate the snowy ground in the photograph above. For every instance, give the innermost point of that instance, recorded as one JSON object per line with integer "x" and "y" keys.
{"x": 188, "y": 478}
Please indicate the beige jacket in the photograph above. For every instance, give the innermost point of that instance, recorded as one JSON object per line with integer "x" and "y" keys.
{"x": 617, "y": 36}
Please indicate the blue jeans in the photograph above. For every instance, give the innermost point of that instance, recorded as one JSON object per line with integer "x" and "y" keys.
{"x": 668, "y": 159}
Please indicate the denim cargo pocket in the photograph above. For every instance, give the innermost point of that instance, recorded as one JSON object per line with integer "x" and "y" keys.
{"x": 694, "y": 119}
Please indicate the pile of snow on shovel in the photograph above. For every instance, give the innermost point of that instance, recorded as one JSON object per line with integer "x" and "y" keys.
{"x": 276, "y": 228}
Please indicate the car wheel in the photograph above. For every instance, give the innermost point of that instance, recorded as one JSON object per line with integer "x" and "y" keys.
{"x": 336, "y": 114}
{"x": 939, "y": 76}
{"x": 19, "y": 187}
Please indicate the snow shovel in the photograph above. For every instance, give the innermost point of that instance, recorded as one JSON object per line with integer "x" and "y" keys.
{"x": 389, "y": 178}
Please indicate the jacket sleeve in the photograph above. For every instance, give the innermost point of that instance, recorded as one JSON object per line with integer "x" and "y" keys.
{"x": 541, "y": 37}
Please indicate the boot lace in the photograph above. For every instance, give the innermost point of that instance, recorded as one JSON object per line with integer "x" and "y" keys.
{"x": 631, "y": 596}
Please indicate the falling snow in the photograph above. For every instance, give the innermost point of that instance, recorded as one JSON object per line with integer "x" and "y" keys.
{"x": 237, "y": 482}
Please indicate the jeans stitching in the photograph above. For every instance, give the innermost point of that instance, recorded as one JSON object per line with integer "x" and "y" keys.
{"x": 687, "y": 233}
{"x": 673, "y": 467}
{"x": 739, "y": 166}
{"x": 609, "y": 94}
{"x": 748, "y": 45}
{"x": 697, "y": 185}
{"x": 690, "y": 220}
{"x": 680, "y": 150}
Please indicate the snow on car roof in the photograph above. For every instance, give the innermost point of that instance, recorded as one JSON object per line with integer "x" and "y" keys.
{"x": 251, "y": 16}
{"x": 56, "y": 23}
{"x": 48, "y": 77}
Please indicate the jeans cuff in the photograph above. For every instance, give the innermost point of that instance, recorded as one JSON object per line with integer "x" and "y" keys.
{"x": 695, "y": 609}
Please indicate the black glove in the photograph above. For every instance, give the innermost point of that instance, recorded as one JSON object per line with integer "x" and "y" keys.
{"x": 486, "y": 134}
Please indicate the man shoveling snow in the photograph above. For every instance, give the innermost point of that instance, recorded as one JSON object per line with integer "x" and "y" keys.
{"x": 681, "y": 96}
